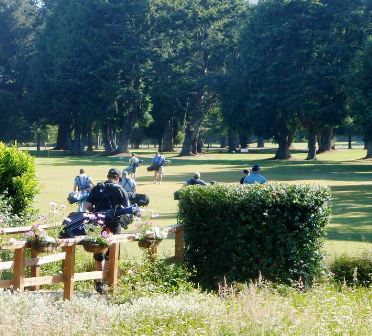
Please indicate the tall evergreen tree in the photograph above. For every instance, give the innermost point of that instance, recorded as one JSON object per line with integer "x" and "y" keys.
{"x": 91, "y": 63}
{"x": 194, "y": 37}
{"x": 360, "y": 95}
{"x": 17, "y": 35}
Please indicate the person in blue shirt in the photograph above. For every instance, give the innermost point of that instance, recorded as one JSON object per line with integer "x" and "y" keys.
{"x": 158, "y": 161}
{"x": 195, "y": 180}
{"x": 83, "y": 184}
{"x": 254, "y": 176}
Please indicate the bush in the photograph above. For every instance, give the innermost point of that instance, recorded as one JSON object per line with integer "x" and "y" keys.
{"x": 18, "y": 179}
{"x": 150, "y": 277}
{"x": 241, "y": 231}
{"x": 353, "y": 270}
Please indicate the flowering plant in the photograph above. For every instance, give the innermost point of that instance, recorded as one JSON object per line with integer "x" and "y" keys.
{"x": 38, "y": 238}
{"x": 97, "y": 233}
{"x": 148, "y": 230}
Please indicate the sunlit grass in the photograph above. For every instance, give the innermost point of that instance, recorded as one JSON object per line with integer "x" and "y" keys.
{"x": 343, "y": 170}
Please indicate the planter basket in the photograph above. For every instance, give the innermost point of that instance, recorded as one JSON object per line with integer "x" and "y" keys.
{"x": 44, "y": 247}
{"x": 95, "y": 248}
{"x": 147, "y": 243}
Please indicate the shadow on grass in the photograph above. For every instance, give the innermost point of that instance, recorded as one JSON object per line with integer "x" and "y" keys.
{"x": 352, "y": 213}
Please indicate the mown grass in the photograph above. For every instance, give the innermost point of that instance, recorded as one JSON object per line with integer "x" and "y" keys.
{"x": 349, "y": 177}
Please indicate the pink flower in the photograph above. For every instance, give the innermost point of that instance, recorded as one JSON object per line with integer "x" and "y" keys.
{"x": 104, "y": 234}
{"x": 29, "y": 234}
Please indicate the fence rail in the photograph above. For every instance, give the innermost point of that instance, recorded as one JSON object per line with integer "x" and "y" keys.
{"x": 68, "y": 276}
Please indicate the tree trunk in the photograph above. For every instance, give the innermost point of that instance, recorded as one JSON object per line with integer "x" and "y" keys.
{"x": 38, "y": 141}
{"x": 260, "y": 142}
{"x": 187, "y": 142}
{"x": 233, "y": 135}
{"x": 90, "y": 137}
{"x": 62, "y": 138}
{"x": 200, "y": 144}
{"x": 168, "y": 144}
{"x": 223, "y": 141}
{"x": 136, "y": 145}
{"x": 325, "y": 143}
{"x": 283, "y": 152}
{"x": 79, "y": 142}
{"x": 243, "y": 140}
{"x": 369, "y": 149}
{"x": 189, "y": 146}
{"x": 349, "y": 146}
{"x": 108, "y": 141}
{"x": 311, "y": 141}
{"x": 124, "y": 139}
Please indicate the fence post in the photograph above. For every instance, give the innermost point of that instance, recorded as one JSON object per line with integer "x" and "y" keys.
{"x": 68, "y": 272}
{"x": 113, "y": 267}
{"x": 35, "y": 270}
{"x": 19, "y": 268}
{"x": 179, "y": 248}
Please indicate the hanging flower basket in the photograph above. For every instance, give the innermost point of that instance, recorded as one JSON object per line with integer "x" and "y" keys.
{"x": 147, "y": 243}
{"x": 95, "y": 248}
{"x": 44, "y": 246}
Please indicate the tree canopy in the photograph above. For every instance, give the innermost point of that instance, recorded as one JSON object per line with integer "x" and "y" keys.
{"x": 126, "y": 70}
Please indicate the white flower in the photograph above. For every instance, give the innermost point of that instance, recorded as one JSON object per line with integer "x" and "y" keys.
{"x": 12, "y": 241}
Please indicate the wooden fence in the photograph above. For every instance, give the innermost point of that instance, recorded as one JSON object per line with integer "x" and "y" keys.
{"x": 67, "y": 276}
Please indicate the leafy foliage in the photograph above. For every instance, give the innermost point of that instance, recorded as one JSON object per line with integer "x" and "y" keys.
{"x": 360, "y": 91}
{"x": 18, "y": 179}
{"x": 238, "y": 232}
{"x": 353, "y": 270}
{"x": 150, "y": 277}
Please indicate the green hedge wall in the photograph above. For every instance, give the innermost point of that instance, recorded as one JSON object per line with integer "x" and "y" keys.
{"x": 18, "y": 179}
{"x": 240, "y": 231}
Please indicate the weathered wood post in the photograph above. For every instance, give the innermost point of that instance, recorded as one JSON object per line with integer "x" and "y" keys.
{"x": 19, "y": 269}
{"x": 179, "y": 247}
{"x": 113, "y": 267}
{"x": 35, "y": 270}
{"x": 68, "y": 272}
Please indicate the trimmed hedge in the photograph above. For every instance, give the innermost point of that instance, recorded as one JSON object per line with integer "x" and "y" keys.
{"x": 18, "y": 179}
{"x": 241, "y": 231}
{"x": 353, "y": 270}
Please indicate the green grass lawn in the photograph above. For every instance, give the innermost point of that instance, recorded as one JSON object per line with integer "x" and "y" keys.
{"x": 343, "y": 170}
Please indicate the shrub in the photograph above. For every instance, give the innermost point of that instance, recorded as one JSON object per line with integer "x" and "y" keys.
{"x": 151, "y": 277}
{"x": 18, "y": 178}
{"x": 353, "y": 270}
{"x": 241, "y": 231}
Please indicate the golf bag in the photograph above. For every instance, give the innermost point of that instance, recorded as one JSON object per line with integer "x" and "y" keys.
{"x": 77, "y": 196}
{"x": 153, "y": 167}
{"x": 132, "y": 168}
{"x": 141, "y": 200}
{"x": 74, "y": 224}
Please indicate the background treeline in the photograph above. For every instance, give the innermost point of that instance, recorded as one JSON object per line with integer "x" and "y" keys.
{"x": 178, "y": 70}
